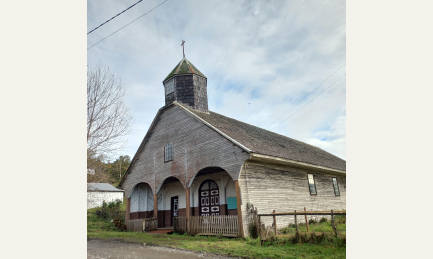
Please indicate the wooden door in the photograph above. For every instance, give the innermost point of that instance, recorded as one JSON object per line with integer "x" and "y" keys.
{"x": 209, "y": 198}
{"x": 174, "y": 208}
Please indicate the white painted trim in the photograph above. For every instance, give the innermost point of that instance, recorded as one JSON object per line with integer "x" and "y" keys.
{"x": 212, "y": 127}
{"x": 283, "y": 161}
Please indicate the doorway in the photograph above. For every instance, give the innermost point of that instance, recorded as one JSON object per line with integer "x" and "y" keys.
{"x": 174, "y": 209}
{"x": 209, "y": 198}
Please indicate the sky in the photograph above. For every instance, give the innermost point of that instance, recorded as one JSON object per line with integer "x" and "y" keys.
{"x": 278, "y": 65}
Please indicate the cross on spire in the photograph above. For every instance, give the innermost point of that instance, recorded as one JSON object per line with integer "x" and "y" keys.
{"x": 183, "y": 47}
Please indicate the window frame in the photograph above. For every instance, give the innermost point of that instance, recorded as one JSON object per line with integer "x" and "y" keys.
{"x": 165, "y": 152}
{"x": 333, "y": 185}
{"x": 166, "y": 87}
{"x": 314, "y": 182}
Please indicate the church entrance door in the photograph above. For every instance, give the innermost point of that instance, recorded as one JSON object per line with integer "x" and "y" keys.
{"x": 174, "y": 208}
{"x": 209, "y": 198}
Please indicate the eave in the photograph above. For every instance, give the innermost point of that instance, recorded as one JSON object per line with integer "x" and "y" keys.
{"x": 288, "y": 162}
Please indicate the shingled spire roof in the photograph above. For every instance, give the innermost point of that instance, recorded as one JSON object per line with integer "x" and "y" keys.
{"x": 184, "y": 67}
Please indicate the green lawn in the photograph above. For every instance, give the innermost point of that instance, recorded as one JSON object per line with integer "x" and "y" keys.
{"x": 246, "y": 248}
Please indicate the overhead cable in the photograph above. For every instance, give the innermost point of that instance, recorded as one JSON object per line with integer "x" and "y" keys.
{"x": 128, "y": 24}
{"x": 306, "y": 95}
{"x": 114, "y": 17}
{"x": 309, "y": 101}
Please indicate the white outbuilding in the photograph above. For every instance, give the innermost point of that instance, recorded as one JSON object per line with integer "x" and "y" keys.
{"x": 99, "y": 192}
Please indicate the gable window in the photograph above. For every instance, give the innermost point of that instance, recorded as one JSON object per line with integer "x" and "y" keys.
{"x": 312, "y": 184}
{"x": 336, "y": 189}
{"x": 168, "y": 152}
{"x": 169, "y": 87}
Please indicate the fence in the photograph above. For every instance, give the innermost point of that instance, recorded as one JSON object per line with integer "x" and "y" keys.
{"x": 264, "y": 233}
{"x": 140, "y": 225}
{"x": 226, "y": 225}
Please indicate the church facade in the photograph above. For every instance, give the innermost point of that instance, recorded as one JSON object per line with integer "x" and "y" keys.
{"x": 194, "y": 162}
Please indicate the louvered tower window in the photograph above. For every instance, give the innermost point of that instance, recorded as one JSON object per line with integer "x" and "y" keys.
{"x": 168, "y": 152}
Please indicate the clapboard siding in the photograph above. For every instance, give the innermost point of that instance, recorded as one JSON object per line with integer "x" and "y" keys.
{"x": 270, "y": 187}
{"x": 194, "y": 144}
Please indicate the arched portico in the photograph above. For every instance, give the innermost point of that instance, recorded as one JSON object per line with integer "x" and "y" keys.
{"x": 171, "y": 201}
{"x": 223, "y": 191}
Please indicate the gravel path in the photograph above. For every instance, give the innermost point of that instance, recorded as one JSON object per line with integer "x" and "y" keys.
{"x": 97, "y": 249}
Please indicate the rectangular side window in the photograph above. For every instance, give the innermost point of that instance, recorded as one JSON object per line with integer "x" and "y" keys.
{"x": 312, "y": 184}
{"x": 336, "y": 189}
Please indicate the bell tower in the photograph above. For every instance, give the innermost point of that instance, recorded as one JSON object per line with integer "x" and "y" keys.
{"x": 187, "y": 85}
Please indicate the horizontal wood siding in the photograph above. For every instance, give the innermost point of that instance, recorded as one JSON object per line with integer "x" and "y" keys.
{"x": 270, "y": 187}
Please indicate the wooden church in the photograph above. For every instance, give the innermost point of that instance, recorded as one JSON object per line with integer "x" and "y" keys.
{"x": 195, "y": 162}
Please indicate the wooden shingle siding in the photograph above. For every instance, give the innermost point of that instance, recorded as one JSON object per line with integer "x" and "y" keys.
{"x": 193, "y": 142}
{"x": 271, "y": 187}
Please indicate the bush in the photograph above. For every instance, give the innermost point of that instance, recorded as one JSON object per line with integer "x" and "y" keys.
{"x": 119, "y": 224}
{"x": 323, "y": 220}
{"x": 312, "y": 221}
{"x": 102, "y": 212}
{"x": 253, "y": 230}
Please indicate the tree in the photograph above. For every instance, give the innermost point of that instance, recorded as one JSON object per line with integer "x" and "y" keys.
{"x": 118, "y": 168}
{"x": 109, "y": 119}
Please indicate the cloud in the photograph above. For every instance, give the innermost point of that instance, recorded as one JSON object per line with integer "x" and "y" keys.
{"x": 260, "y": 58}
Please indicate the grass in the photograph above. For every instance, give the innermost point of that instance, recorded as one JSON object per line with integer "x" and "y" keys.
{"x": 321, "y": 227}
{"x": 245, "y": 248}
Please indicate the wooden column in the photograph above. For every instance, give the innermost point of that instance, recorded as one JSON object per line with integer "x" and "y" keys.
{"x": 238, "y": 201}
{"x": 155, "y": 205}
{"x": 188, "y": 206}
{"x": 128, "y": 211}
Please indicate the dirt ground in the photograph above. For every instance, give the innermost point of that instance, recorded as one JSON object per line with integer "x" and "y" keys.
{"x": 97, "y": 249}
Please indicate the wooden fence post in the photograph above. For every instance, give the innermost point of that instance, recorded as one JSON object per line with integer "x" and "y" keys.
{"x": 306, "y": 221}
{"x": 275, "y": 223}
{"x": 296, "y": 223}
{"x": 333, "y": 223}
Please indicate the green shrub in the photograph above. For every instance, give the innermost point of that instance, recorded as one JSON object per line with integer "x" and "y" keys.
{"x": 323, "y": 220}
{"x": 253, "y": 230}
{"x": 312, "y": 221}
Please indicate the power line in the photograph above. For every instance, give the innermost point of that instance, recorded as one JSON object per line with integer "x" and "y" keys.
{"x": 306, "y": 95}
{"x": 309, "y": 101}
{"x": 128, "y": 24}
{"x": 114, "y": 17}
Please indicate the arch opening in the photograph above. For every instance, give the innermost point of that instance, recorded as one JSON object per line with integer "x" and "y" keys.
{"x": 142, "y": 200}
{"x": 212, "y": 188}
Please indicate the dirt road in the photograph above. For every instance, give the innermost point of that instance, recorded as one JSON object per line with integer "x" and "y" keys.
{"x": 99, "y": 249}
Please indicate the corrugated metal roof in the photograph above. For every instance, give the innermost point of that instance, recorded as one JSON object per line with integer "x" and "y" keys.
{"x": 103, "y": 187}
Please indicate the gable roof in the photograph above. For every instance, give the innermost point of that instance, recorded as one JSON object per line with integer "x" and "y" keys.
{"x": 184, "y": 67}
{"x": 102, "y": 187}
{"x": 261, "y": 141}
{"x": 253, "y": 139}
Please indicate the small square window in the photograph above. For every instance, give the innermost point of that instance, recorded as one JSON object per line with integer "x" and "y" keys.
{"x": 336, "y": 189}
{"x": 312, "y": 184}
